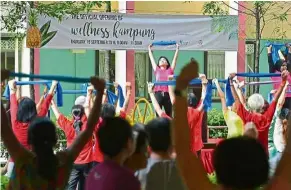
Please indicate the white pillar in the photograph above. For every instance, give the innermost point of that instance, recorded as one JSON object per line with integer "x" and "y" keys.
{"x": 16, "y": 61}
{"x": 25, "y": 67}
{"x": 120, "y": 57}
{"x": 231, "y": 56}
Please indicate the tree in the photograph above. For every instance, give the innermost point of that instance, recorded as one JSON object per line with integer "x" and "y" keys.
{"x": 14, "y": 16}
{"x": 107, "y": 53}
{"x": 262, "y": 12}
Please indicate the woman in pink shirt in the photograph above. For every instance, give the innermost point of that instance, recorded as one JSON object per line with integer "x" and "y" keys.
{"x": 162, "y": 71}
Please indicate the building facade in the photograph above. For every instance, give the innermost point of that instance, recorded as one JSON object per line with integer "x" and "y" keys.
{"x": 134, "y": 66}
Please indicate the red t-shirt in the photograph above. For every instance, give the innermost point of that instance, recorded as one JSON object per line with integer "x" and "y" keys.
{"x": 86, "y": 155}
{"x": 20, "y": 129}
{"x": 162, "y": 75}
{"x": 262, "y": 121}
{"x": 98, "y": 155}
{"x": 195, "y": 119}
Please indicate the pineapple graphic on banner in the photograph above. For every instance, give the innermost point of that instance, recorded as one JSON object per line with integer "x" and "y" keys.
{"x": 37, "y": 38}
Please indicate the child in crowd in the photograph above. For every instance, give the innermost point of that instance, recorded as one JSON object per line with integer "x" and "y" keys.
{"x": 116, "y": 142}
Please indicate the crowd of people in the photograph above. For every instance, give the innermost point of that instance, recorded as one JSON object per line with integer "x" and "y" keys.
{"x": 105, "y": 152}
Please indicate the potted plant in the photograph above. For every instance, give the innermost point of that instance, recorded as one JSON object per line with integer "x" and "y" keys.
{"x": 217, "y": 129}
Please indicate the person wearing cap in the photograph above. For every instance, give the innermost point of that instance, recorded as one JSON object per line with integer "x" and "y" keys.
{"x": 72, "y": 128}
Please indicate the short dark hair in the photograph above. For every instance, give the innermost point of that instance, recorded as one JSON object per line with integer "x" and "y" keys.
{"x": 26, "y": 110}
{"x": 192, "y": 100}
{"x": 159, "y": 133}
{"x": 142, "y": 138}
{"x": 107, "y": 110}
{"x": 113, "y": 135}
{"x": 241, "y": 163}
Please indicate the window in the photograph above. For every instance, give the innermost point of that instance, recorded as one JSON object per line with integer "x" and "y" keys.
{"x": 143, "y": 74}
{"x": 215, "y": 67}
{"x": 250, "y": 66}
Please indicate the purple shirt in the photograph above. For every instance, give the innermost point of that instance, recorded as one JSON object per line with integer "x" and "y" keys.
{"x": 108, "y": 175}
{"x": 162, "y": 75}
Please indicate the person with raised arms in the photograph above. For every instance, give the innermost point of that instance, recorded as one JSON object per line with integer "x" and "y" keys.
{"x": 239, "y": 162}
{"x": 162, "y": 71}
{"x": 40, "y": 168}
{"x": 72, "y": 129}
{"x": 22, "y": 111}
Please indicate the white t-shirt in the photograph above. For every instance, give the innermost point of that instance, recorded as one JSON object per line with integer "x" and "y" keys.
{"x": 278, "y": 135}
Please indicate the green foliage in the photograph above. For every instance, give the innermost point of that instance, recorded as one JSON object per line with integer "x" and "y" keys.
{"x": 262, "y": 11}
{"x": 214, "y": 8}
{"x": 215, "y": 118}
{"x": 4, "y": 182}
{"x": 17, "y": 12}
{"x": 218, "y": 133}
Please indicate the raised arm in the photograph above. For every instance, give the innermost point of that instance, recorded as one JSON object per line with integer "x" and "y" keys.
{"x": 13, "y": 101}
{"x": 14, "y": 148}
{"x": 128, "y": 94}
{"x": 115, "y": 92}
{"x": 18, "y": 93}
{"x": 220, "y": 94}
{"x": 203, "y": 92}
{"x": 40, "y": 102}
{"x": 86, "y": 135}
{"x": 104, "y": 96}
{"x": 284, "y": 76}
{"x": 238, "y": 88}
{"x": 174, "y": 62}
{"x": 153, "y": 62}
{"x": 189, "y": 165}
{"x": 55, "y": 109}
{"x": 47, "y": 101}
{"x": 233, "y": 91}
{"x": 87, "y": 105}
{"x": 155, "y": 103}
{"x": 281, "y": 99}
{"x": 282, "y": 177}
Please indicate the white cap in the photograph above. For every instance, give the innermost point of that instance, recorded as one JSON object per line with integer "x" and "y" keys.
{"x": 81, "y": 100}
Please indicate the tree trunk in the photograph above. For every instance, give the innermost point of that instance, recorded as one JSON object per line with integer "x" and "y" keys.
{"x": 258, "y": 44}
{"x": 31, "y": 87}
{"x": 107, "y": 52}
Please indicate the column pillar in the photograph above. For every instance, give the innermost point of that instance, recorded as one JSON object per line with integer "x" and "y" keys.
{"x": 241, "y": 64}
{"x": 130, "y": 70}
{"x": 120, "y": 57}
{"x": 231, "y": 56}
{"x": 25, "y": 68}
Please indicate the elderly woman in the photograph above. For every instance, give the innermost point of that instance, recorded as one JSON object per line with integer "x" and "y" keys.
{"x": 256, "y": 113}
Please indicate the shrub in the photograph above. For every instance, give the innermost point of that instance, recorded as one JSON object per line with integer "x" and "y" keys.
{"x": 4, "y": 182}
{"x": 215, "y": 118}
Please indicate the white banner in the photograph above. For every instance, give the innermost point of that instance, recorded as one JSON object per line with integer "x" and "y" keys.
{"x": 117, "y": 31}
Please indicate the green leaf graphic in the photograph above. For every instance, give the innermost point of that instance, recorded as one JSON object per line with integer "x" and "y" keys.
{"x": 48, "y": 38}
{"x": 44, "y": 29}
